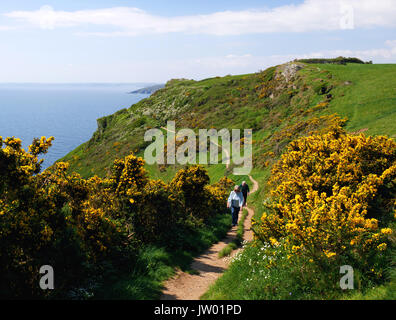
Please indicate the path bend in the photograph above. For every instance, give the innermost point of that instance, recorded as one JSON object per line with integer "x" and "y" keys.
{"x": 185, "y": 286}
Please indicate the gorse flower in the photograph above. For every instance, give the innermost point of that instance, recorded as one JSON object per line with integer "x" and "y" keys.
{"x": 82, "y": 224}
{"x": 323, "y": 191}
{"x": 386, "y": 231}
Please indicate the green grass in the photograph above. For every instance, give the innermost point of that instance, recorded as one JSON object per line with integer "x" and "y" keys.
{"x": 386, "y": 291}
{"x": 383, "y": 292}
{"x": 264, "y": 273}
{"x": 369, "y": 101}
{"x": 226, "y": 251}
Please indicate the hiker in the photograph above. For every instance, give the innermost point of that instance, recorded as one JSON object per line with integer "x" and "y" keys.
{"x": 235, "y": 203}
{"x": 245, "y": 191}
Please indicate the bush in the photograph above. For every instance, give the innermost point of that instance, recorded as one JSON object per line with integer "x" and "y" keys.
{"x": 190, "y": 184}
{"x": 44, "y": 220}
{"x": 157, "y": 215}
{"x": 90, "y": 228}
{"x": 333, "y": 196}
{"x": 339, "y": 60}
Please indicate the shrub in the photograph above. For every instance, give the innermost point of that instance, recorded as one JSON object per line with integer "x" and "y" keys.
{"x": 218, "y": 194}
{"x": 90, "y": 228}
{"x": 190, "y": 184}
{"x": 332, "y": 198}
{"x": 339, "y": 60}
{"x": 43, "y": 220}
{"x": 156, "y": 214}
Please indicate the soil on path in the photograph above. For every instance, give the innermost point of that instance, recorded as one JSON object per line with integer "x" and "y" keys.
{"x": 209, "y": 267}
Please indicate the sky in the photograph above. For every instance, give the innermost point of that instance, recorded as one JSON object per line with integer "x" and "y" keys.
{"x": 74, "y": 41}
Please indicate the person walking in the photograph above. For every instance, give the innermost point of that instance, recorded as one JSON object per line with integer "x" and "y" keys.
{"x": 245, "y": 191}
{"x": 235, "y": 203}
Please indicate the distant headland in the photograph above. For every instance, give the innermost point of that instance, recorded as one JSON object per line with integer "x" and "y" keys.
{"x": 148, "y": 90}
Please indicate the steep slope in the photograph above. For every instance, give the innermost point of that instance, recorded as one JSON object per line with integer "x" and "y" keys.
{"x": 279, "y": 104}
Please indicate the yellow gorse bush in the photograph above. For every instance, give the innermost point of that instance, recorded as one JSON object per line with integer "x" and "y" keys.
{"x": 77, "y": 225}
{"x": 331, "y": 193}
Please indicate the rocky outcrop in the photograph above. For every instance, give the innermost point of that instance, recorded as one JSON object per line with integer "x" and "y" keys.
{"x": 288, "y": 70}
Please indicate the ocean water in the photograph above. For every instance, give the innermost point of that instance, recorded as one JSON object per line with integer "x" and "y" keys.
{"x": 67, "y": 112}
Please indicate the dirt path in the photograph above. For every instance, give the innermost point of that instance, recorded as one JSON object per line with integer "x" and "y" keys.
{"x": 185, "y": 286}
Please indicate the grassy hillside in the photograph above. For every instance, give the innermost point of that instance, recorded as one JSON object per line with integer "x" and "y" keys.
{"x": 278, "y": 104}
{"x": 268, "y": 102}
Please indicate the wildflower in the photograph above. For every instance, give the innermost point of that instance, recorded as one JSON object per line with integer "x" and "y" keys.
{"x": 386, "y": 231}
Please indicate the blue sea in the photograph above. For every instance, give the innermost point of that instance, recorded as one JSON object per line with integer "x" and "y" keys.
{"x": 66, "y": 111}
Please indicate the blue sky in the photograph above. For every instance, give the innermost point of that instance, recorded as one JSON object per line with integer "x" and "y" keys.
{"x": 153, "y": 41}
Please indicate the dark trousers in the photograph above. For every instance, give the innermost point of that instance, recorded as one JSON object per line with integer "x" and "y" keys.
{"x": 244, "y": 198}
{"x": 234, "y": 214}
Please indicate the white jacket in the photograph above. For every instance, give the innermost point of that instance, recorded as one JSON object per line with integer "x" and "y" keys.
{"x": 235, "y": 199}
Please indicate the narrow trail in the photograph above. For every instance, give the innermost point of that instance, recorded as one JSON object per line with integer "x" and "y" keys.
{"x": 185, "y": 286}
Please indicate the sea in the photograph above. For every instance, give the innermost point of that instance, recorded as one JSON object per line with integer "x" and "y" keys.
{"x": 67, "y": 112}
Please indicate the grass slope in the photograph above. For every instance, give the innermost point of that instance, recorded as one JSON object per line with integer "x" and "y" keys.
{"x": 365, "y": 94}
{"x": 277, "y": 106}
